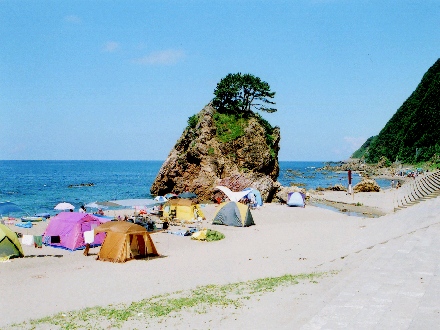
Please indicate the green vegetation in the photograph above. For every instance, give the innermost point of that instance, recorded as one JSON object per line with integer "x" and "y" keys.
{"x": 413, "y": 133}
{"x": 156, "y": 308}
{"x": 270, "y": 140}
{"x": 363, "y": 149}
{"x": 240, "y": 93}
{"x": 229, "y": 126}
{"x": 193, "y": 120}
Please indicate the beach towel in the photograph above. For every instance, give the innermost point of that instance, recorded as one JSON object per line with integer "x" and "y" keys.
{"x": 38, "y": 241}
{"x": 27, "y": 240}
{"x": 89, "y": 236}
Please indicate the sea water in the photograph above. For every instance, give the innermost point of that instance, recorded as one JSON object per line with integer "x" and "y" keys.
{"x": 37, "y": 186}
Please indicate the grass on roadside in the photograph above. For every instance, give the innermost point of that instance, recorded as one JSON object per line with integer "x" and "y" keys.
{"x": 157, "y": 307}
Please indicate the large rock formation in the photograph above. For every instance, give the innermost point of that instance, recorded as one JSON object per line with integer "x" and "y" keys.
{"x": 200, "y": 161}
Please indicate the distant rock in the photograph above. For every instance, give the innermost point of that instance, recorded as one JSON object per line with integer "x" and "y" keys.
{"x": 200, "y": 160}
{"x": 366, "y": 185}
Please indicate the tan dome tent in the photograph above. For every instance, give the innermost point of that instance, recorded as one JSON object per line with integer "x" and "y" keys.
{"x": 10, "y": 246}
{"x": 125, "y": 241}
{"x": 233, "y": 214}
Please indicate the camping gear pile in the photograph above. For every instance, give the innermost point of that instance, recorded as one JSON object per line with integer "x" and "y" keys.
{"x": 208, "y": 235}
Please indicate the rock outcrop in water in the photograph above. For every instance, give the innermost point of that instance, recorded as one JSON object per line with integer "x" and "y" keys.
{"x": 202, "y": 158}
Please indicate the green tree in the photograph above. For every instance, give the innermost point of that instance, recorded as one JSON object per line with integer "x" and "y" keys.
{"x": 243, "y": 93}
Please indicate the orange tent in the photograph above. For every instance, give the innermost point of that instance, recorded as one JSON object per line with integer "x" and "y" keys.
{"x": 125, "y": 241}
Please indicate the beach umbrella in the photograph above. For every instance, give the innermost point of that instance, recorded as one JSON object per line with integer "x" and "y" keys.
{"x": 160, "y": 199}
{"x": 187, "y": 194}
{"x": 170, "y": 195}
{"x": 8, "y": 207}
{"x": 64, "y": 206}
{"x": 135, "y": 202}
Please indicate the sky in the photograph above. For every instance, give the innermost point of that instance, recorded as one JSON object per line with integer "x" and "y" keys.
{"x": 118, "y": 80}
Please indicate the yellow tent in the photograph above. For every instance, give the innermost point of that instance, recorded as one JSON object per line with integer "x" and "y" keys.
{"x": 10, "y": 246}
{"x": 182, "y": 209}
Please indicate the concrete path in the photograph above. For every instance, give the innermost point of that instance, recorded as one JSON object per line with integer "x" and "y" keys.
{"x": 397, "y": 286}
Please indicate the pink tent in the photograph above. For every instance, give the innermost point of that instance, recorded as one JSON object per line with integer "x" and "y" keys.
{"x": 66, "y": 230}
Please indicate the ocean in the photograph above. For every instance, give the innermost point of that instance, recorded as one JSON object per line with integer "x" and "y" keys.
{"x": 37, "y": 186}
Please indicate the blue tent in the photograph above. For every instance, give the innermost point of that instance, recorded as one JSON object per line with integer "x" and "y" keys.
{"x": 296, "y": 199}
{"x": 257, "y": 194}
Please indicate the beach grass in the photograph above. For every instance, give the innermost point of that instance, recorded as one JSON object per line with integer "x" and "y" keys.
{"x": 156, "y": 308}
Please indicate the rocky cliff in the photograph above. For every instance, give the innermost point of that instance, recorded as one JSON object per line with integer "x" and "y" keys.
{"x": 201, "y": 159}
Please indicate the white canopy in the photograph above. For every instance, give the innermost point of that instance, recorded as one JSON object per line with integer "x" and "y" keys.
{"x": 136, "y": 202}
{"x": 234, "y": 196}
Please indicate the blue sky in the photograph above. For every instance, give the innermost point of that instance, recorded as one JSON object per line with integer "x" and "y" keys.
{"x": 119, "y": 79}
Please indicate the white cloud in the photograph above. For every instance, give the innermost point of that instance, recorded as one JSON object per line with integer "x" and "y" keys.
{"x": 111, "y": 46}
{"x": 72, "y": 19}
{"x": 350, "y": 145}
{"x": 164, "y": 57}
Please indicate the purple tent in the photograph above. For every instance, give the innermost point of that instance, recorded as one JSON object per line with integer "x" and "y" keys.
{"x": 66, "y": 230}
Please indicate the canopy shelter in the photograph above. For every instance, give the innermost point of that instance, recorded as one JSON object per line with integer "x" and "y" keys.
{"x": 182, "y": 209}
{"x": 234, "y": 196}
{"x": 96, "y": 205}
{"x": 107, "y": 204}
{"x": 124, "y": 241}
{"x": 136, "y": 202}
{"x": 233, "y": 214}
{"x": 66, "y": 230}
{"x": 10, "y": 246}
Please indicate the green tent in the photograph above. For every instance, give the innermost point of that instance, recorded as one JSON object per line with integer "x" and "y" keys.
{"x": 10, "y": 246}
{"x": 233, "y": 214}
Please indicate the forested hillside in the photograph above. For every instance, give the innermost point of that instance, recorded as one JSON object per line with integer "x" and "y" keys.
{"x": 413, "y": 133}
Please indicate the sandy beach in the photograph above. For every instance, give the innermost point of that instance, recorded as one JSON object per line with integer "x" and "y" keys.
{"x": 284, "y": 241}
